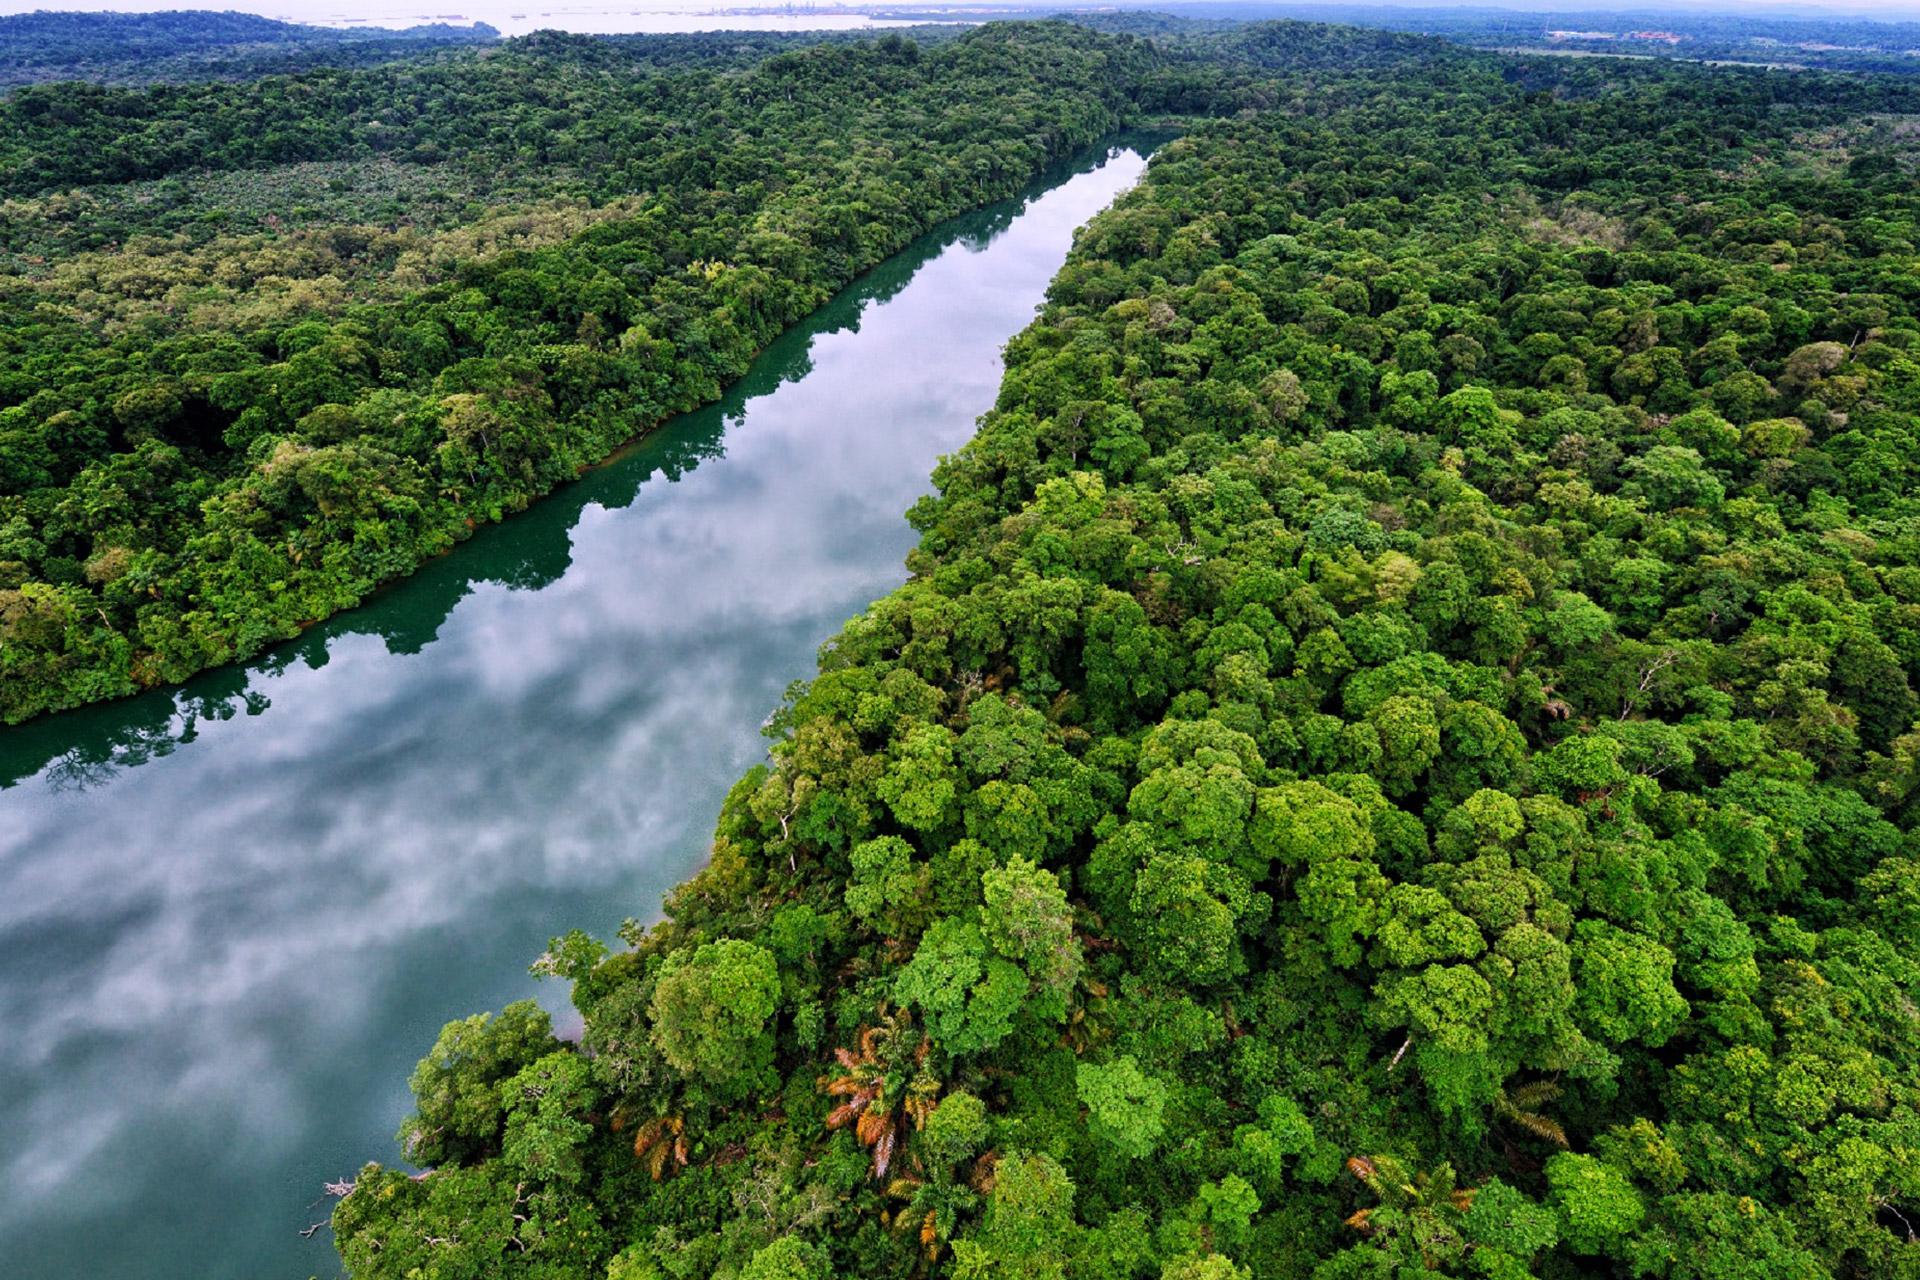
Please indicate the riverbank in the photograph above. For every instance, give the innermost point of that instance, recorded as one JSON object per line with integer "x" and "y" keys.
{"x": 537, "y": 728}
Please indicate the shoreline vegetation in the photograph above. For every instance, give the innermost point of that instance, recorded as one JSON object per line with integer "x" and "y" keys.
{"x": 1396, "y": 757}
{"x": 82, "y": 748}
{"x": 245, "y": 436}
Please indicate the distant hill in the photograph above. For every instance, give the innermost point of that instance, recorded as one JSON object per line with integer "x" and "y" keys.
{"x": 1764, "y": 37}
{"x": 183, "y": 44}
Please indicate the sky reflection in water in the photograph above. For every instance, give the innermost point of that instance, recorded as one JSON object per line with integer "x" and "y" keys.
{"x": 236, "y": 913}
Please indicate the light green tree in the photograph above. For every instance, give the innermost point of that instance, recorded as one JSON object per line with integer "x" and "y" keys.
{"x": 710, "y": 1011}
{"x": 1126, "y": 1107}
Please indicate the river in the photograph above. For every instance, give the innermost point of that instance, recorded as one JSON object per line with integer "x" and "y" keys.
{"x": 235, "y": 913}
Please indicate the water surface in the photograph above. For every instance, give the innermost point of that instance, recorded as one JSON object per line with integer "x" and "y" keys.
{"x": 236, "y": 913}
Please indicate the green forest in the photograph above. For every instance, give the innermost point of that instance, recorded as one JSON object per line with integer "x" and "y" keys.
{"x": 1398, "y": 755}
{"x": 198, "y": 44}
{"x": 265, "y": 346}
{"x": 1764, "y": 37}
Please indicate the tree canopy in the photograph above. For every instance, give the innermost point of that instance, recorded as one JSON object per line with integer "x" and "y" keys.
{"x": 1396, "y": 755}
{"x": 1396, "y": 758}
{"x": 268, "y": 345}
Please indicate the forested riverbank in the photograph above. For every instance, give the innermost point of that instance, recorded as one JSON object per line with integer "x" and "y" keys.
{"x": 306, "y": 863}
{"x": 1397, "y": 757}
{"x": 222, "y": 421}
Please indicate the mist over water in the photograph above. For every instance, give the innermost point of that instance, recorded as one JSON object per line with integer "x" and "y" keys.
{"x": 236, "y": 913}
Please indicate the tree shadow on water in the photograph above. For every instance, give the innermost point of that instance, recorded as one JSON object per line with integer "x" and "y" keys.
{"x": 86, "y": 747}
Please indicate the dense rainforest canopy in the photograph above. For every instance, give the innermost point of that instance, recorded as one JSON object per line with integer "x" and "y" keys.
{"x": 1399, "y": 755}
{"x": 264, "y": 346}
{"x": 1765, "y": 37}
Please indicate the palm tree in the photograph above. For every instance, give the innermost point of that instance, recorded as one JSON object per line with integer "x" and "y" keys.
{"x": 662, "y": 1143}
{"x": 934, "y": 1207}
{"x": 1420, "y": 1210}
{"x": 873, "y": 1081}
{"x": 1521, "y": 1108}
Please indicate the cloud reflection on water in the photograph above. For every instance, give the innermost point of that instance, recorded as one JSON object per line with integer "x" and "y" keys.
{"x": 237, "y": 912}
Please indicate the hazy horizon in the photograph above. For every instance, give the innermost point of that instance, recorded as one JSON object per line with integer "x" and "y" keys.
{"x": 517, "y": 17}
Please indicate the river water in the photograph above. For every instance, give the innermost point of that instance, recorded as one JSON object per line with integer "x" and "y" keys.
{"x": 234, "y": 914}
